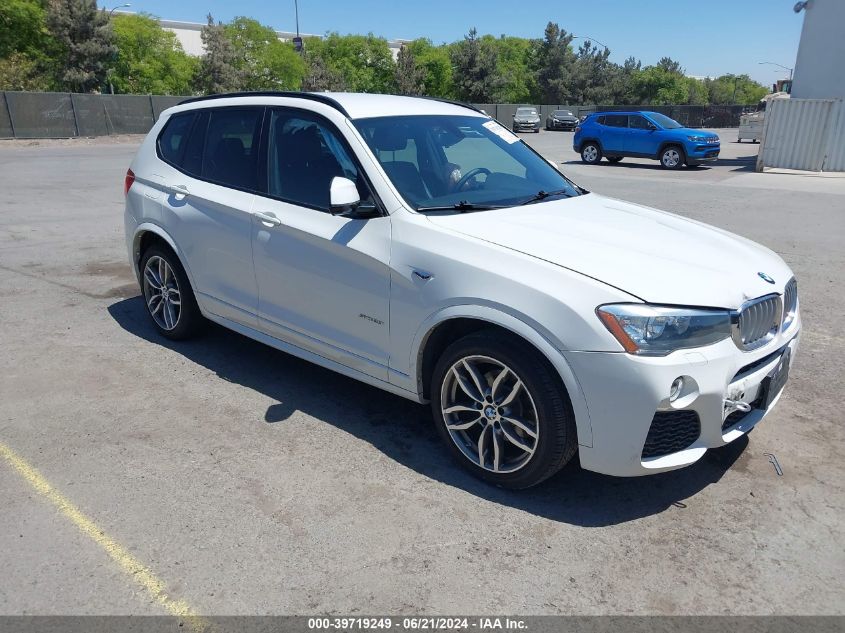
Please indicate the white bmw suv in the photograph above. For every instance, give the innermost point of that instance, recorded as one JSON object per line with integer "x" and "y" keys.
{"x": 419, "y": 246}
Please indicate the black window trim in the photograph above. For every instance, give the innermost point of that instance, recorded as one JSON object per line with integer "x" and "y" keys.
{"x": 263, "y": 159}
{"x": 211, "y": 111}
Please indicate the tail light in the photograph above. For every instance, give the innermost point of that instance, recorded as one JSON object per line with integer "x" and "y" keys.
{"x": 127, "y": 182}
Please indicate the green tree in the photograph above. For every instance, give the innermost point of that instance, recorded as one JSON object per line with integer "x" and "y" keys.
{"x": 656, "y": 85}
{"x": 217, "y": 71}
{"x": 515, "y": 58}
{"x": 23, "y": 28}
{"x": 150, "y": 60}
{"x": 697, "y": 92}
{"x": 318, "y": 76}
{"x": 555, "y": 64}
{"x": 364, "y": 63}
{"x": 474, "y": 62}
{"x": 85, "y": 40}
{"x": 437, "y": 68}
{"x": 731, "y": 89}
{"x": 592, "y": 80}
{"x": 19, "y": 72}
{"x": 265, "y": 62}
{"x": 410, "y": 78}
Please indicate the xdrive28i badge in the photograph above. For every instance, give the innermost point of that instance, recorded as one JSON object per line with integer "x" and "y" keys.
{"x": 765, "y": 277}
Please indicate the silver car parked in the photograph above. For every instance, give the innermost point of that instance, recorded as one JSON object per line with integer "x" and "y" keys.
{"x": 526, "y": 119}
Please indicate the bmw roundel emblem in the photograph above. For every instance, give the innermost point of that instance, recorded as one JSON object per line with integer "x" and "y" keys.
{"x": 765, "y": 277}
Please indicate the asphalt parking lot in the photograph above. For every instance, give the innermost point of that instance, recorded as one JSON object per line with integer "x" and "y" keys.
{"x": 224, "y": 477}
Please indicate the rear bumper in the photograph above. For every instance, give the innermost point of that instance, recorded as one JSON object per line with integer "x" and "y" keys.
{"x": 624, "y": 392}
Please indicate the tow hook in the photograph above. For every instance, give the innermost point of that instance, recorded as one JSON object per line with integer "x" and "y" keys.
{"x": 736, "y": 405}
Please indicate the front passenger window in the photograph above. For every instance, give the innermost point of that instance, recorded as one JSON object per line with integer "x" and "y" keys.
{"x": 305, "y": 155}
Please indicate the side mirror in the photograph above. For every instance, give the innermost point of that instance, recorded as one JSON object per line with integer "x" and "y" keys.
{"x": 343, "y": 195}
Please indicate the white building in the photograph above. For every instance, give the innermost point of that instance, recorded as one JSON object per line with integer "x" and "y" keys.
{"x": 820, "y": 65}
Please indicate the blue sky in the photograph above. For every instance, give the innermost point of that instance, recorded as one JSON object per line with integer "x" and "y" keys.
{"x": 709, "y": 37}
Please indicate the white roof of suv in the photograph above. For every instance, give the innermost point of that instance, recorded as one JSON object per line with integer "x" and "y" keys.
{"x": 356, "y": 105}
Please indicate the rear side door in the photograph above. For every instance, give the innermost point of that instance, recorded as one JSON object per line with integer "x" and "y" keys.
{"x": 208, "y": 209}
{"x": 614, "y": 133}
{"x": 323, "y": 279}
{"x": 642, "y": 136}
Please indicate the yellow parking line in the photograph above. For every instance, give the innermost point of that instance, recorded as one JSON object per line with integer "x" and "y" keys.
{"x": 128, "y": 563}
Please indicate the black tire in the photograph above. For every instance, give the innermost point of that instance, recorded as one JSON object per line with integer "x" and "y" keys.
{"x": 556, "y": 440}
{"x": 591, "y": 153}
{"x": 189, "y": 321}
{"x": 614, "y": 159}
{"x": 672, "y": 157}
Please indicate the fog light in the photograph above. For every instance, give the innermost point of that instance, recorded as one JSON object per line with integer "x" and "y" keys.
{"x": 675, "y": 389}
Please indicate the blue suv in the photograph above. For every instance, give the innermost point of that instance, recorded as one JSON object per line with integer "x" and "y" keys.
{"x": 643, "y": 135}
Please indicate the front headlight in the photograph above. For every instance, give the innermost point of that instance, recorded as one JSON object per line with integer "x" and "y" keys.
{"x": 649, "y": 330}
{"x": 697, "y": 139}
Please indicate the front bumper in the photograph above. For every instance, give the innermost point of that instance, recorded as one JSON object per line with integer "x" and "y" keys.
{"x": 623, "y": 393}
{"x": 563, "y": 125}
{"x": 703, "y": 153}
{"x": 526, "y": 127}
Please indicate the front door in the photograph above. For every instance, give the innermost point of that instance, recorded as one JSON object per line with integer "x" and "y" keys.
{"x": 323, "y": 280}
{"x": 642, "y": 136}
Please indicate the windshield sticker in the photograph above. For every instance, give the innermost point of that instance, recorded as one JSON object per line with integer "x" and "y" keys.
{"x": 503, "y": 133}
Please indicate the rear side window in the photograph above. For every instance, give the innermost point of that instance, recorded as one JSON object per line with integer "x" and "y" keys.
{"x": 173, "y": 139}
{"x": 616, "y": 120}
{"x": 230, "y": 155}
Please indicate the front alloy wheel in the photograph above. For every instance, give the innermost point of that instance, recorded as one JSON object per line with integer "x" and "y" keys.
{"x": 671, "y": 158}
{"x": 502, "y": 409}
{"x": 489, "y": 414}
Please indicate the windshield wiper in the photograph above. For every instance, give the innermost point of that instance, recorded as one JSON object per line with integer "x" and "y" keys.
{"x": 542, "y": 195}
{"x": 462, "y": 207}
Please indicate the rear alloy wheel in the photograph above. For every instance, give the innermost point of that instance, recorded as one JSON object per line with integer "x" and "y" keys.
{"x": 502, "y": 410}
{"x": 591, "y": 153}
{"x": 672, "y": 157}
{"x": 168, "y": 296}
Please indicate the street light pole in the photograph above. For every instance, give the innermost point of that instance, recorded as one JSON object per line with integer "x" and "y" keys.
{"x": 111, "y": 14}
{"x": 122, "y": 6}
{"x": 297, "y": 41}
{"x": 591, "y": 39}
{"x": 780, "y": 66}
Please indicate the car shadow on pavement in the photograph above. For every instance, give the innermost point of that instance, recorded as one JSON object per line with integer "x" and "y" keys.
{"x": 403, "y": 430}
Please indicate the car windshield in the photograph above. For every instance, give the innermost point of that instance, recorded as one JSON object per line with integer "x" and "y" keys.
{"x": 526, "y": 111}
{"x": 460, "y": 161}
{"x": 664, "y": 121}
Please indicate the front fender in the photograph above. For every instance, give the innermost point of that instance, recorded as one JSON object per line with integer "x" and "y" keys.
{"x": 531, "y": 332}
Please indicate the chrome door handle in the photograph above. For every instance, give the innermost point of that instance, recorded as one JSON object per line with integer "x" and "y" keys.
{"x": 268, "y": 218}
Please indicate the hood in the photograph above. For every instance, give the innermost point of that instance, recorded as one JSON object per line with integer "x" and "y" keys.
{"x": 565, "y": 117}
{"x": 653, "y": 255}
{"x": 688, "y": 131}
{"x": 526, "y": 117}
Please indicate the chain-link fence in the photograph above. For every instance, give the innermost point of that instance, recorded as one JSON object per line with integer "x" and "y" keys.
{"x": 65, "y": 115}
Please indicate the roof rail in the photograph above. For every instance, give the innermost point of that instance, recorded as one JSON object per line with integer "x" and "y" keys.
{"x": 311, "y": 96}
{"x": 462, "y": 104}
